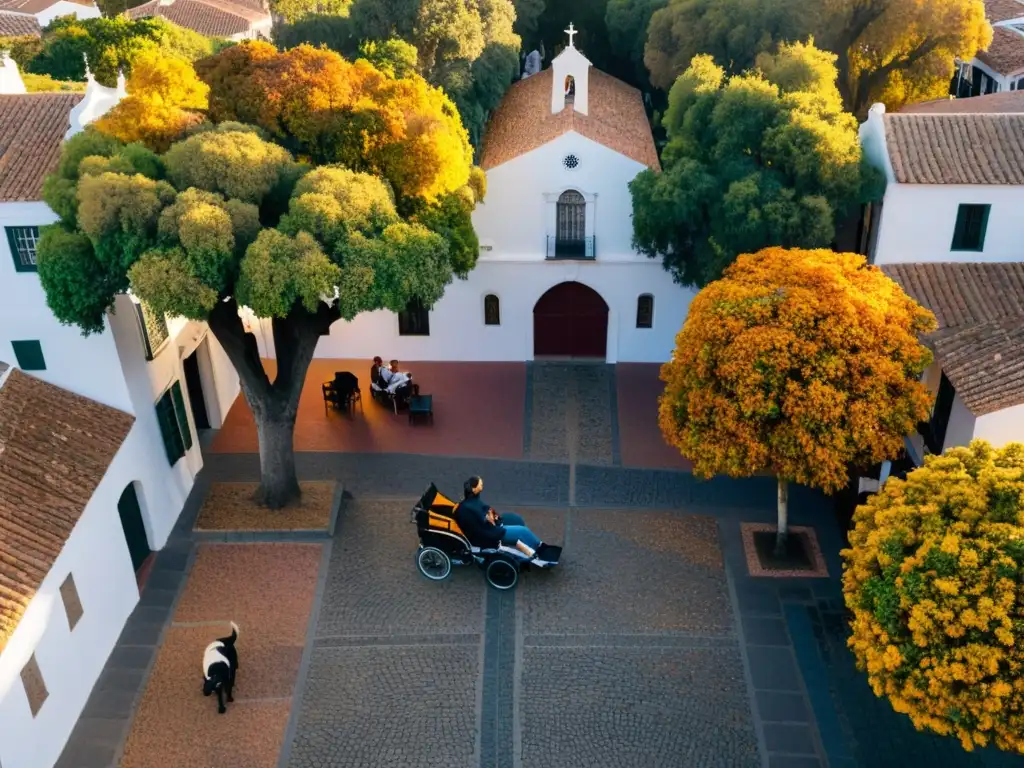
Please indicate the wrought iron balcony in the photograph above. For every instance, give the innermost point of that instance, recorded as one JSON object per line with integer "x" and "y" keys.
{"x": 583, "y": 248}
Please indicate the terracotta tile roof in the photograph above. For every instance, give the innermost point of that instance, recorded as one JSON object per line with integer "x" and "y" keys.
{"x": 993, "y": 103}
{"x": 32, "y": 128}
{"x": 1005, "y": 55}
{"x": 1003, "y": 10}
{"x": 523, "y": 120}
{"x": 17, "y": 24}
{"x": 956, "y": 148}
{"x": 55, "y": 447}
{"x": 213, "y": 18}
{"x": 36, "y": 6}
{"x": 980, "y": 339}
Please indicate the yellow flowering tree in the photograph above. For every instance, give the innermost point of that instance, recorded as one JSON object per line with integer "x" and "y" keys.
{"x": 932, "y": 577}
{"x": 799, "y": 363}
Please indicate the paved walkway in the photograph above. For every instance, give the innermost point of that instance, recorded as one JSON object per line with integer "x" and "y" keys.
{"x": 649, "y": 646}
{"x": 602, "y": 414}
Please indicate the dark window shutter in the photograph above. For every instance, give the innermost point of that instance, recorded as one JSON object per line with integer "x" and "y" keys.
{"x": 414, "y": 321}
{"x": 969, "y": 231}
{"x": 29, "y": 355}
{"x": 169, "y": 428}
{"x": 182, "y": 415}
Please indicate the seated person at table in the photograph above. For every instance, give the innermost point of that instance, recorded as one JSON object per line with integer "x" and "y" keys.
{"x": 375, "y": 373}
{"x": 484, "y": 528}
{"x": 394, "y": 377}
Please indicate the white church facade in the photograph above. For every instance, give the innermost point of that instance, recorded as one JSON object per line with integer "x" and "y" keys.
{"x": 557, "y": 276}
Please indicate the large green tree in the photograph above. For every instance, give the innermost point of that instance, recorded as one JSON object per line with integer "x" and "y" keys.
{"x": 226, "y": 219}
{"x": 111, "y": 44}
{"x": 467, "y": 48}
{"x": 892, "y": 51}
{"x": 765, "y": 158}
{"x": 627, "y": 22}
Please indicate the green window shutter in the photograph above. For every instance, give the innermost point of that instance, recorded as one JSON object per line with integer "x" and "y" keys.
{"x": 23, "y": 241}
{"x": 169, "y": 428}
{"x": 970, "y": 228}
{"x": 29, "y": 355}
{"x": 182, "y": 415}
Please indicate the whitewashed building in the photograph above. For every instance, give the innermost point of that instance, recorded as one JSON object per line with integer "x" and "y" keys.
{"x": 950, "y": 230}
{"x": 557, "y": 275}
{"x": 228, "y": 19}
{"x": 28, "y": 17}
{"x": 1000, "y": 67}
{"x": 99, "y": 438}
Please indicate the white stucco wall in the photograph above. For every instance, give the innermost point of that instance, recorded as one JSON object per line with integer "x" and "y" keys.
{"x": 86, "y": 365}
{"x": 1001, "y": 427}
{"x": 165, "y": 487}
{"x": 65, "y": 8}
{"x": 961, "y": 427}
{"x": 71, "y": 660}
{"x": 917, "y": 223}
{"x": 514, "y": 221}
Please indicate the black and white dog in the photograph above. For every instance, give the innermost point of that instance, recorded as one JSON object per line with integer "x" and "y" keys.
{"x": 220, "y": 663}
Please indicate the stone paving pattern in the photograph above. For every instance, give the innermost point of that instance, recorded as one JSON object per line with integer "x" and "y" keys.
{"x": 267, "y": 589}
{"x": 651, "y": 645}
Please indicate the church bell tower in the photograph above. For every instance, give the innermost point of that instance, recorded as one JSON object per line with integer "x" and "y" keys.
{"x": 571, "y": 72}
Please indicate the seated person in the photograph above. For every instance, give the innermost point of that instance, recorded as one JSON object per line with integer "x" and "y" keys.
{"x": 484, "y": 528}
{"x": 394, "y": 377}
{"x": 375, "y": 373}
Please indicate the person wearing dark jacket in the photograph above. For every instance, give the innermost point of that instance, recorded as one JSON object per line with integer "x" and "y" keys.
{"x": 484, "y": 528}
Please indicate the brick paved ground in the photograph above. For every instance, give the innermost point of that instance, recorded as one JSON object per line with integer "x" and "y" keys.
{"x": 478, "y": 411}
{"x": 649, "y": 646}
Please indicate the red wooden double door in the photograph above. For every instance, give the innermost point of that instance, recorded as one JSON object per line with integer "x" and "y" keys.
{"x": 570, "y": 320}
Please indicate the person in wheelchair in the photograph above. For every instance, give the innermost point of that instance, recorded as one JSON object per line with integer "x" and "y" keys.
{"x": 485, "y": 528}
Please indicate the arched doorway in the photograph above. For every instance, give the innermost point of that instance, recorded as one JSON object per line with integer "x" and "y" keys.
{"x": 571, "y": 225}
{"x": 134, "y": 529}
{"x": 570, "y": 320}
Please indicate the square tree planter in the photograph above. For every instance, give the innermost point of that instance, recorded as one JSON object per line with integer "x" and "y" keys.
{"x": 804, "y": 558}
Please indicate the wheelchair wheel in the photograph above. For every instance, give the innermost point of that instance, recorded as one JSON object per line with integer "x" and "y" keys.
{"x": 433, "y": 563}
{"x": 501, "y": 574}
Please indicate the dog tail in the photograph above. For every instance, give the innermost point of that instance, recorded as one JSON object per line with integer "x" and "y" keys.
{"x": 234, "y": 631}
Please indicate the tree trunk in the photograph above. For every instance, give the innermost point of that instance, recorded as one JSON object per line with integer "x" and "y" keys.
{"x": 279, "y": 483}
{"x": 274, "y": 405}
{"x": 782, "y": 531}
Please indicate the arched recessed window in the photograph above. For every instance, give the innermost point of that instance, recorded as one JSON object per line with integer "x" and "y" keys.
{"x": 645, "y": 311}
{"x": 570, "y": 90}
{"x": 492, "y": 310}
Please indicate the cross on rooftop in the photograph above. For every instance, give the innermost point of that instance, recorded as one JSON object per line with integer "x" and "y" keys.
{"x": 570, "y": 32}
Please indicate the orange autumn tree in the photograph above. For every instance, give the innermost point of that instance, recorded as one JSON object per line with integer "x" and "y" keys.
{"x": 799, "y": 363}
{"x": 331, "y": 110}
{"x": 932, "y": 578}
{"x": 162, "y": 92}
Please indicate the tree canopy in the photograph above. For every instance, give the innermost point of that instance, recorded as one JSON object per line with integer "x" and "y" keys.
{"x": 468, "y": 49}
{"x": 932, "y": 579}
{"x": 627, "y": 22}
{"x": 797, "y": 363}
{"x": 888, "y": 50}
{"x": 163, "y": 96}
{"x": 111, "y": 44}
{"x": 753, "y": 160}
{"x": 399, "y": 128}
{"x": 732, "y": 32}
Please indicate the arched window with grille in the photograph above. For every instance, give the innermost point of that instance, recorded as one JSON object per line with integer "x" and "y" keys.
{"x": 570, "y": 238}
{"x": 645, "y": 311}
{"x": 492, "y": 310}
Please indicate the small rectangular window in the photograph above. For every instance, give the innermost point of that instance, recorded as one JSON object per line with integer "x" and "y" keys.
{"x": 645, "y": 311}
{"x": 153, "y": 327}
{"x": 969, "y": 231}
{"x": 29, "y": 355}
{"x": 23, "y": 241}
{"x": 182, "y": 415}
{"x": 414, "y": 321}
{"x": 35, "y": 686}
{"x": 72, "y": 602}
